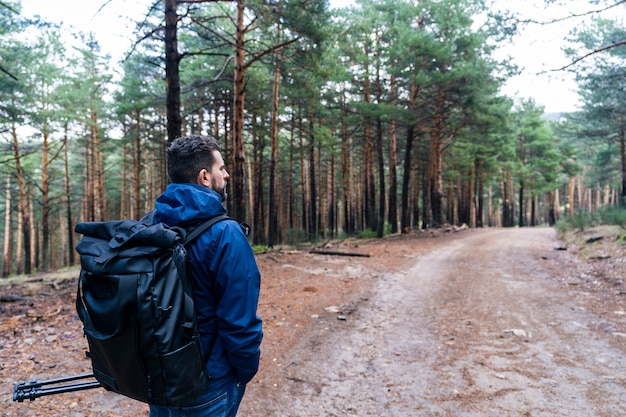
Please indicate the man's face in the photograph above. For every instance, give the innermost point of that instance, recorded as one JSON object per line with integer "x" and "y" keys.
{"x": 219, "y": 175}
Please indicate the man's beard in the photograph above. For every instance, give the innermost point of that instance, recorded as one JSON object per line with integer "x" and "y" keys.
{"x": 221, "y": 191}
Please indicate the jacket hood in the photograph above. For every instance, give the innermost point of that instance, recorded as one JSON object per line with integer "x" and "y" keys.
{"x": 183, "y": 204}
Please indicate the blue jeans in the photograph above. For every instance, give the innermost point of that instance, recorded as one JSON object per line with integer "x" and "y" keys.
{"x": 221, "y": 399}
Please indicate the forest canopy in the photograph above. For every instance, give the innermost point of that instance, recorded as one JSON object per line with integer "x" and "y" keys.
{"x": 382, "y": 117}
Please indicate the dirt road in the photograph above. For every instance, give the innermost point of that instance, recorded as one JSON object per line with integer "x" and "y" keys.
{"x": 482, "y": 325}
{"x": 488, "y": 322}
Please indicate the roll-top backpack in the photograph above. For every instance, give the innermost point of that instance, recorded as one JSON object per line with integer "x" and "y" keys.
{"x": 135, "y": 300}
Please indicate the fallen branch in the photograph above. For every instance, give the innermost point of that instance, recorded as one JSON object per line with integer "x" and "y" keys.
{"x": 332, "y": 252}
{"x": 8, "y": 298}
{"x": 600, "y": 257}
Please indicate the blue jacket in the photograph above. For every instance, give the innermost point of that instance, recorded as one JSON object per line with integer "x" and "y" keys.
{"x": 226, "y": 280}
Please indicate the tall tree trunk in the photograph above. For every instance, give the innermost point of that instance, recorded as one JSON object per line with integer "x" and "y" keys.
{"x": 393, "y": 181}
{"x": 216, "y": 117}
{"x": 258, "y": 205}
{"x": 405, "y": 217}
{"x": 136, "y": 169}
{"x": 419, "y": 173}
{"x": 290, "y": 198}
{"x": 522, "y": 209}
{"x": 508, "y": 211}
{"x": 312, "y": 232}
{"x": 124, "y": 205}
{"x": 553, "y": 207}
{"x": 149, "y": 171}
{"x": 303, "y": 176}
{"x": 200, "y": 113}
{"x": 8, "y": 235}
{"x": 353, "y": 186}
{"x": 491, "y": 216}
{"x": 571, "y": 190}
{"x": 367, "y": 168}
{"x": 34, "y": 229}
{"x": 172, "y": 77}
{"x": 23, "y": 258}
{"x": 435, "y": 176}
{"x": 522, "y": 189}
{"x": 99, "y": 190}
{"x": 452, "y": 208}
{"x": 68, "y": 199}
{"x": 19, "y": 241}
{"x": 472, "y": 184}
{"x": 227, "y": 134}
{"x": 88, "y": 209}
{"x": 272, "y": 233}
{"x": 345, "y": 174}
{"x": 480, "y": 191}
{"x": 45, "y": 203}
{"x": 622, "y": 148}
{"x": 406, "y": 179}
{"x": 238, "y": 177}
{"x": 382, "y": 198}
{"x": 332, "y": 194}
{"x": 321, "y": 195}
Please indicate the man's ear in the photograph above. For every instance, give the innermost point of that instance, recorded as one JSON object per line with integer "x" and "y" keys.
{"x": 204, "y": 178}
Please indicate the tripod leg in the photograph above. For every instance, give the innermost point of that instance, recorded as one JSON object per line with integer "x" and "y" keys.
{"x": 35, "y": 389}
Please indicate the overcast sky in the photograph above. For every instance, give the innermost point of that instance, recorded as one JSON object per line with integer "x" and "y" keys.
{"x": 537, "y": 49}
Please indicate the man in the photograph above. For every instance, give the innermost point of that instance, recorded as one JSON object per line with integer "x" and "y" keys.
{"x": 225, "y": 273}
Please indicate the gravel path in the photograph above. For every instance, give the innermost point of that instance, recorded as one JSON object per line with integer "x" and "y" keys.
{"x": 479, "y": 326}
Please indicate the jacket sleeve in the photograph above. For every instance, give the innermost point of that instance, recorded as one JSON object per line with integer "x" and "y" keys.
{"x": 238, "y": 282}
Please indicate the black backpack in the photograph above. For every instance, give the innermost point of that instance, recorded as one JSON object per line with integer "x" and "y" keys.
{"x": 135, "y": 300}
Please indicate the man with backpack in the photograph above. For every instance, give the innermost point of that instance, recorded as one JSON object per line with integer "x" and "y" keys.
{"x": 225, "y": 275}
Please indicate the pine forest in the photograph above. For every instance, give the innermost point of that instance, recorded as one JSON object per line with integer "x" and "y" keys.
{"x": 382, "y": 117}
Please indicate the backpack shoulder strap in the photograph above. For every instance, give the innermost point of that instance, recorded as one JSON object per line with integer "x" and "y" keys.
{"x": 193, "y": 234}
{"x": 202, "y": 227}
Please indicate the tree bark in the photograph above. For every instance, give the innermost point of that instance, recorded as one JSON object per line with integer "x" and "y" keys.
{"x": 622, "y": 148}
{"x": 8, "y": 236}
{"x": 303, "y": 175}
{"x": 435, "y": 179}
{"x": 480, "y": 191}
{"x": 272, "y": 232}
{"x": 345, "y": 174}
{"x": 367, "y": 168}
{"x": 172, "y": 77}
{"x": 99, "y": 190}
{"x": 258, "y": 204}
{"x": 23, "y": 258}
{"x": 393, "y": 181}
{"x": 571, "y": 190}
{"x": 382, "y": 198}
{"x": 45, "y": 202}
{"x": 405, "y": 217}
{"x": 238, "y": 177}
{"x": 522, "y": 209}
{"x": 137, "y": 211}
{"x": 19, "y": 241}
{"x": 290, "y": 199}
{"x": 312, "y": 232}
{"x": 332, "y": 194}
{"x": 68, "y": 200}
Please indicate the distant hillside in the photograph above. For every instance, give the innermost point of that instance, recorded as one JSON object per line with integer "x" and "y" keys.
{"x": 553, "y": 116}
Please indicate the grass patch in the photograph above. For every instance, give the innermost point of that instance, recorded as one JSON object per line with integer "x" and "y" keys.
{"x": 582, "y": 220}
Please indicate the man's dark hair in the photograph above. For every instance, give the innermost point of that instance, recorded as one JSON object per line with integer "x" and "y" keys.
{"x": 188, "y": 155}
